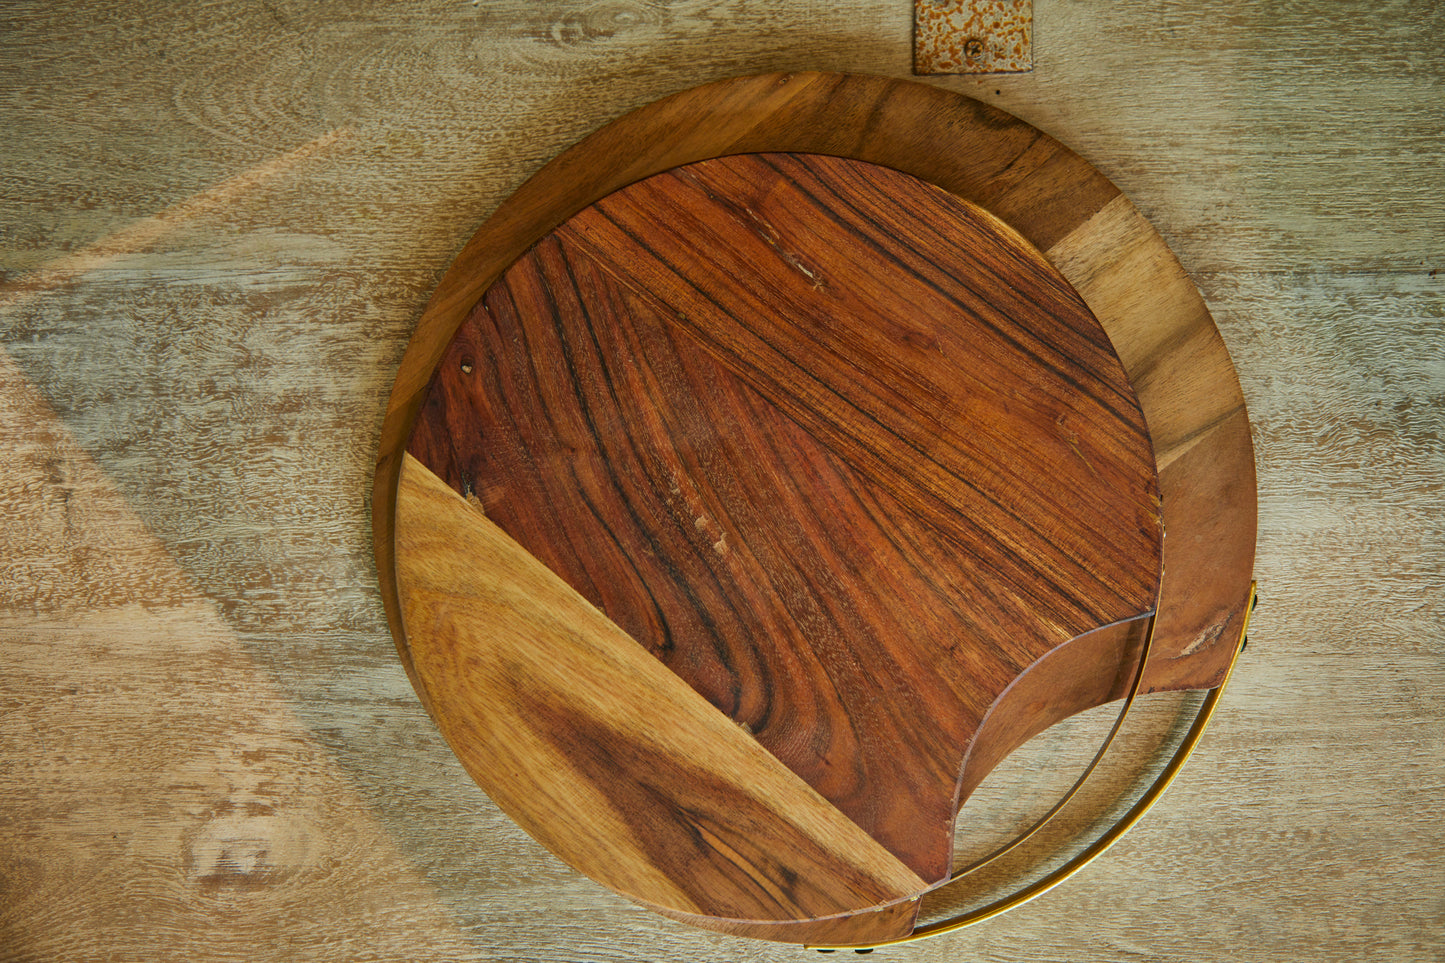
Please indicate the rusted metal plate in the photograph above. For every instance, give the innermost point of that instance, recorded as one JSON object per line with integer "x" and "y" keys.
{"x": 973, "y": 36}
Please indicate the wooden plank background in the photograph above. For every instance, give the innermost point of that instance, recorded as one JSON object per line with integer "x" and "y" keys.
{"x": 218, "y": 224}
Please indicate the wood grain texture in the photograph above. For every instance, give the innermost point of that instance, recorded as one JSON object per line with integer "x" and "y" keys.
{"x": 1005, "y": 166}
{"x": 224, "y": 380}
{"x": 599, "y": 751}
{"x": 172, "y": 771}
{"x": 839, "y": 449}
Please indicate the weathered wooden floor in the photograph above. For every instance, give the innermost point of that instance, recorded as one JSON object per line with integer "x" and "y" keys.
{"x": 218, "y": 224}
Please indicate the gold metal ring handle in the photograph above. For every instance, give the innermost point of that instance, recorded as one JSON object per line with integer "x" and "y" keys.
{"x": 1100, "y": 845}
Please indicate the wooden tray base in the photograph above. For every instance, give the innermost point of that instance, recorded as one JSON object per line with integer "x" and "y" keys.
{"x": 765, "y": 487}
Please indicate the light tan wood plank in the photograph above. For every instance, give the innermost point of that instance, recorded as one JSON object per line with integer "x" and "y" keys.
{"x": 556, "y": 712}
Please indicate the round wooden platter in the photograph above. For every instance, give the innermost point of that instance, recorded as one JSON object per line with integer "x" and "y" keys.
{"x": 776, "y": 461}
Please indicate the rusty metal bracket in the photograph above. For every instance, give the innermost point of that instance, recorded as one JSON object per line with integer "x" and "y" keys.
{"x": 973, "y": 36}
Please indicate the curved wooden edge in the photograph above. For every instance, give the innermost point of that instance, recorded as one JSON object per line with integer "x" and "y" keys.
{"x": 1062, "y": 205}
{"x": 1064, "y": 681}
{"x": 600, "y": 752}
{"x": 1187, "y": 386}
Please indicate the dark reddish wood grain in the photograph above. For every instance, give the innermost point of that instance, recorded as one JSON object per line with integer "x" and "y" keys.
{"x": 1063, "y": 206}
{"x": 840, "y": 449}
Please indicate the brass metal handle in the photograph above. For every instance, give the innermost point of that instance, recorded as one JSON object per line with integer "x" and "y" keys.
{"x": 1108, "y": 838}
